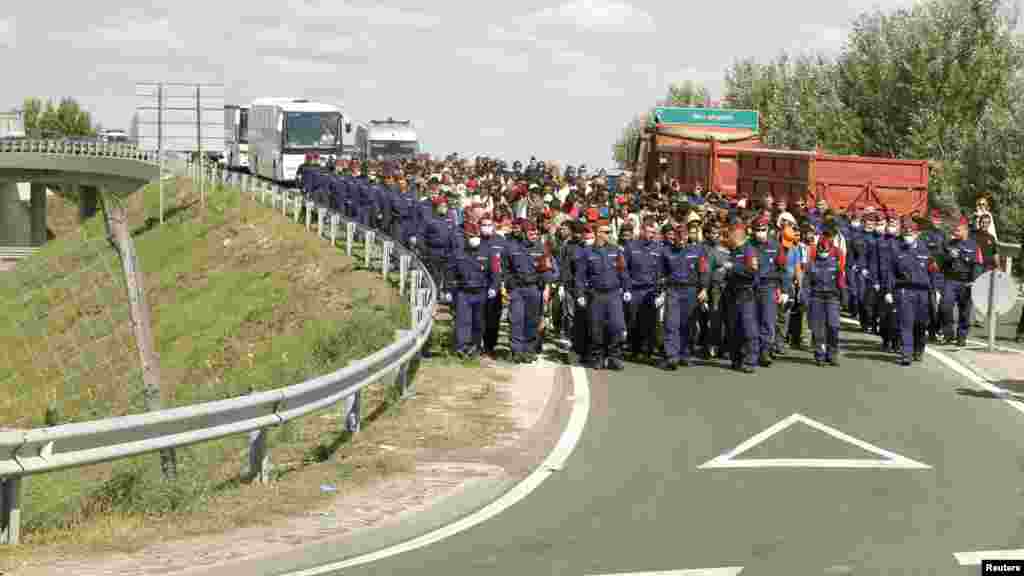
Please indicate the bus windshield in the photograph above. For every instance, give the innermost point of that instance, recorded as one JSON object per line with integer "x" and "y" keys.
{"x": 311, "y": 130}
{"x": 243, "y": 126}
{"x": 385, "y": 149}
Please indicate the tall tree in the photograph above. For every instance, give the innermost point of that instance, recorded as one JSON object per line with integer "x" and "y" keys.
{"x": 32, "y": 107}
{"x": 65, "y": 119}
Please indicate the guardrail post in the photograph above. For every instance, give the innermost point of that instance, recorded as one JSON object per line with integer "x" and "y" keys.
{"x": 353, "y": 411}
{"x": 368, "y": 239}
{"x": 402, "y": 380}
{"x": 284, "y": 200}
{"x": 321, "y": 211}
{"x": 385, "y": 260}
{"x": 350, "y": 232}
{"x": 259, "y": 458}
{"x": 309, "y": 213}
{"x": 403, "y": 270}
{"x": 334, "y": 229}
{"x": 263, "y": 193}
{"x": 10, "y": 510}
{"x": 414, "y": 297}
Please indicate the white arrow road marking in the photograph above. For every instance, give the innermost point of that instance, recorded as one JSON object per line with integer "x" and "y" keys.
{"x": 554, "y": 461}
{"x": 729, "y": 460}
{"x": 975, "y": 558}
{"x": 729, "y": 571}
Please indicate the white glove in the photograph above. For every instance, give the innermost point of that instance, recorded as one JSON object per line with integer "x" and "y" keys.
{"x": 877, "y": 287}
{"x": 492, "y": 293}
{"x": 888, "y": 298}
{"x": 783, "y": 298}
{"x": 727, "y": 265}
{"x": 864, "y": 273}
{"x": 447, "y": 296}
{"x": 938, "y": 297}
{"x": 412, "y": 240}
{"x": 561, "y": 292}
{"x": 582, "y": 301}
{"x": 626, "y": 296}
{"x": 659, "y": 300}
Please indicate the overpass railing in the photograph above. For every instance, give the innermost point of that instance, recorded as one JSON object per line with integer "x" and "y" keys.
{"x": 90, "y": 149}
{"x": 40, "y": 450}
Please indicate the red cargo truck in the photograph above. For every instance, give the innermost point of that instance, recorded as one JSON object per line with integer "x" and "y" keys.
{"x": 748, "y": 170}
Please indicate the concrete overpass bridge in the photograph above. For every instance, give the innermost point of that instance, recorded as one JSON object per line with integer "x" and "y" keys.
{"x": 79, "y": 170}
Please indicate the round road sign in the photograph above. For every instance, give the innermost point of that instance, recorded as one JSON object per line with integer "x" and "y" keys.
{"x": 1004, "y": 296}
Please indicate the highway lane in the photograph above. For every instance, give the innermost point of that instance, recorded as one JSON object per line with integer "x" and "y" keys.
{"x": 632, "y": 496}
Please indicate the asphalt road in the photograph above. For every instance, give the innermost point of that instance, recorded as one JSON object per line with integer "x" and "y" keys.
{"x": 633, "y": 497}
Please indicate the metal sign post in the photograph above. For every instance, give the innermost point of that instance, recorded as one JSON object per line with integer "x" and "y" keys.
{"x": 993, "y": 294}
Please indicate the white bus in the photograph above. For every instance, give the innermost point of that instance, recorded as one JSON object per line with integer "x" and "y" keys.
{"x": 392, "y": 139}
{"x": 283, "y": 130}
{"x": 236, "y": 137}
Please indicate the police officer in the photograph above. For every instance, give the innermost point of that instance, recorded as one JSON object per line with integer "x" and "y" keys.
{"x": 492, "y": 245}
{"x": 962, "y": 264}
{"x": 887, "y": 315}
{"x": 769, "y": 289}
{"x": 438, "y": 235}
{"x": 741, "y": 283}
{"x": 643, "y": 265}
{"x": 856, "y": 258}
{"x": 523, "y": 282}
{"x": 824, "y": 282}
{"x": 935, "y": 240}
{"x": 912, "y": 272}
{"x": 473, "y": 278}
{"x": 869, "y": 274}
{"x": 547, "y": 272}
{"x": 712, "y": 318}
{"x": 684, "y": 270}
{"x": 581, "y": 319}
{"x": 603, "y": 285}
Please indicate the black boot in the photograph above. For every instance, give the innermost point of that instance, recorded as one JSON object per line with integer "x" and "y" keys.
{"x": 667, "y": 364}
{"x": 765, "y": 360}
{"x": 615, "y": 364}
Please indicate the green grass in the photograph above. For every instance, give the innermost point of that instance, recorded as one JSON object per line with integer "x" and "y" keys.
{"x": 241, "y": 298}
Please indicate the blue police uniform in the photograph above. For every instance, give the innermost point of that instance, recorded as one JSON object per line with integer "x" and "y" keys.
{"x": 935, "y": 240}
{"x": 770, "y": 276}
{"x": 473, "y": 278}
{"x": 887, "y": 313}
{"x": 912, "y": 281}
{"x": 493, "y": 245}
{"x": 741, "y": 285}
{"x": 601, "y": 276}
{"x": 824, "y": 283}
{"x": 963, "y": 264}
{"x": 642, "y": 262}
{"x": 856, "y": 262}
{"x": 523, "y": 282}
{"x": 684, "y": 271}
{"x": 869, "y": 274}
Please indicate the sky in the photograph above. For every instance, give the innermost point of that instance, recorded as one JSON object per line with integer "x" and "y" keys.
{"x": 507, "y": 79}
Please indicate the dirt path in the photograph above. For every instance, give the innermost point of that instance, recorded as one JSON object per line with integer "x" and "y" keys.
{"x": 530, "y": 397}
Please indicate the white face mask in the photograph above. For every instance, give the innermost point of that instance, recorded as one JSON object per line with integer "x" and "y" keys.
{"x": 474, "y": 242}
{"x": 761, "y": 236}
{"x": 855, "y": 224}
{"x": 589, "y": 241}
{"x": 909, "y": 238}
{"x": 487, "y": 230}
{"x": 892, "y": 230}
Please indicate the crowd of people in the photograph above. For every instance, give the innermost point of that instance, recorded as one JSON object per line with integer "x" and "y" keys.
{"x": 667, "y": 274}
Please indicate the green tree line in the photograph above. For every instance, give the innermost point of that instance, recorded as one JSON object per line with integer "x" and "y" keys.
{"x": 942, "y": 80}
{"x": 65, "y": 119}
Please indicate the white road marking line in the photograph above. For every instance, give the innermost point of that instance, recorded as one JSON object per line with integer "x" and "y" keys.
{"x": 729, "y": 460}
{"x": 727, "y": 571}
{"x": 966, "y": 373}
{"x": 975, "y": 558}
{"x": 554, "y": 461}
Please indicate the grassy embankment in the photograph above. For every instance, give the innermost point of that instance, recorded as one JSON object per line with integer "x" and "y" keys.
{"x": 241, "y": 298}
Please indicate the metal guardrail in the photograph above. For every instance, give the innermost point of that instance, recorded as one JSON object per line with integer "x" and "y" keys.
{"x": 89, "y": 149}
{"x": 17, "y": 252}
{"x": 35, "y": 451}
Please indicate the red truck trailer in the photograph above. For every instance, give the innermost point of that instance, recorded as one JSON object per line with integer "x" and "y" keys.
{"x": 747, "y": 169}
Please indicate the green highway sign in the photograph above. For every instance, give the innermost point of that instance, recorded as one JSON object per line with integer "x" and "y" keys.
{"x": 718, "y": 117}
